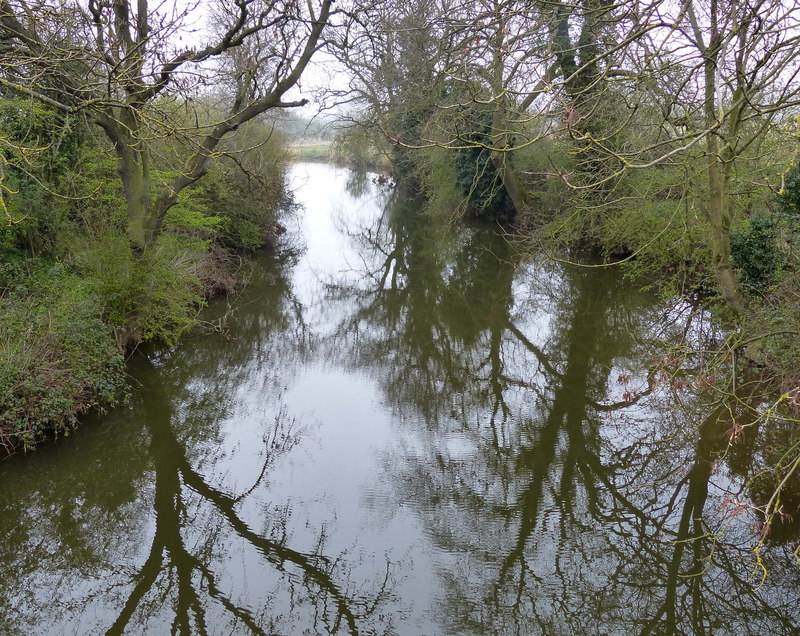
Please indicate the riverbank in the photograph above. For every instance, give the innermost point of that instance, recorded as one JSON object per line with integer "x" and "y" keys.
{"x": 76, "y": 298}
{"x": 65, "y": 332}
{"x": 403, "y": 415}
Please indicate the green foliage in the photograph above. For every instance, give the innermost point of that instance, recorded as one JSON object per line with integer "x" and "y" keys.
{"x": 57, "y": 357}
{"x": 478, "y": 180}
{"x": 39, "y": 150}
{"x": 664, "y": 241}
{"x": 62, "y": 331}
{"x": 193, "y": 214}
{"x": 438, "y": 182}
{"x": 360, "y": 148}
{"x": 12, "y": 263}
{"x": 755, "y": 252}
{"x": 537, "y": 166}
{"x": 92, "y": 199}
{"x": 38, "y": 138}
{"x": 407, "y": 121}
{"x": 655, "y": 221}
{"x": 147, "y": 296}
{"x": 789, "y": 196}
{"x": 475, "y": 174}
{"x": 237, "y": 202}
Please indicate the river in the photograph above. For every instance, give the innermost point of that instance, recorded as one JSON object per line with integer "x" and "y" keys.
{"x": 407, "y": 427}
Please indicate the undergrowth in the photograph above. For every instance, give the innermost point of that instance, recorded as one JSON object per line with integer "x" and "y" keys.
{"x": 57, "y": 355}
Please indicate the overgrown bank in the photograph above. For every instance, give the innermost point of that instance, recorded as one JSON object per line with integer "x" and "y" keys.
{"x": 662, "y": 135}
{"x": 136, "y": 141}
{"x": 654, "y": 224}
{"x": 75, "y": 296}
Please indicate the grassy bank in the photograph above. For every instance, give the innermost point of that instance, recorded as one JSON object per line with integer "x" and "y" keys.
{"x": 76, "y": 297}
{"x": 312, "y": 151}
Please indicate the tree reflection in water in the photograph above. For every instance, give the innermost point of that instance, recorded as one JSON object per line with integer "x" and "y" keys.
{"x": 523, "y": 451}
{"x": 573, "y": 512}
{"x": 221, "y": 558}
{"x": 189, "y": 569}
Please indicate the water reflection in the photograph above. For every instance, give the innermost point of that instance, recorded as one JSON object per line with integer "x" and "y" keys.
{"x": 181, "y": 492}
{"x": 410, "y": 428}
{"x": 158, "y": 522}
{"x": 563, "y": 522}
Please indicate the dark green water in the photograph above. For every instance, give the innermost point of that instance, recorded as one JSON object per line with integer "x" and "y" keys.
{"x": 408, "y": 429}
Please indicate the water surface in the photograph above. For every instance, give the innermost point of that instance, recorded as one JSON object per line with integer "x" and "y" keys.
{"x": 408, "y": 428}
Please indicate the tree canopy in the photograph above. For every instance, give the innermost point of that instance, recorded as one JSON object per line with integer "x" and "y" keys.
{"x": 118, "y": 64}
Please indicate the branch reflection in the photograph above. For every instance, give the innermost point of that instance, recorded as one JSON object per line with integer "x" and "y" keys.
{"x": 573, "y": 500}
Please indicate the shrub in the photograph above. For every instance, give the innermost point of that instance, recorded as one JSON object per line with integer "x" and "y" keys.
{"x": 438, "y": 183}
{"x": 57, "y": 357}
{"x": 39, "y": 151}
{"x": 361, "y": 149}
{"x": 475, "y": 173}
{"x": 755, "y": 252}
{"x": 147, "y": 296}
{"x": 789, "y": 196}
{"x": 236, "y": 204}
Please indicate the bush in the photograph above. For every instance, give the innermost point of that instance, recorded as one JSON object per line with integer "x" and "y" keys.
{"x": 361, "y": 149}
{"x": 57, "y": 357}
{"x": 475, "y": 173}
{"x": 236, "y": 204}
{"x": 755, "y": 253}
{"x": 65, "y": 328}
{"x": 789, "y": 196}
{"x": 538, "y": 165}
{"x": 154, "y": 295}
{"x": 438, "y": 183}
{"x": 39, "y": 151}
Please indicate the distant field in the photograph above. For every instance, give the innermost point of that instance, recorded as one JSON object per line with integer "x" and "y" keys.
{"x": 312, "y": 152}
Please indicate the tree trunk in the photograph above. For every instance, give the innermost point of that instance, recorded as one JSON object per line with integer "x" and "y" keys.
{"x": 135, "y": 171}
{"x": 500, "y": 130}
{"x": 516, "y": 193}
{"x": 719, "y": 169}
{"x": 133, "y": 161}
{"x": 719, "y": 217}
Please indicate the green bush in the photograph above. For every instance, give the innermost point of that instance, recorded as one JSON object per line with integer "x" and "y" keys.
{"x": 538, "y": 165}
{"x": 147, "y": 296}
{"x": 65, "y": 327}
{"x": 789, "y": 196}
{"x": 755, "y": 252}
{"x": 57, "y": 356}
{"x": 360, "y": 148}
{"x": 236, "y": 204}
{"x": 438, "y": 183}
{"x": 475, "y": 173}
{"x": 39, "y": 151}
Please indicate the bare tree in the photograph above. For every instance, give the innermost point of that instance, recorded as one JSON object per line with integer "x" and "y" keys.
{"x": 721, "y": 73}
{"x": 117, "y": 62}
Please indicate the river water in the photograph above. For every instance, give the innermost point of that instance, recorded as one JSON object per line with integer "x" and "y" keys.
{"x": 407, "y": 428}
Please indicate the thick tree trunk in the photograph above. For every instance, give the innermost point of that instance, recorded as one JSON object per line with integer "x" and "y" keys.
{"x": 719, "y": 168}
{"x": 135, "y": 172}
{"x": 515, "y": 191}
{"x": 133, "y": 161}
{"x": 719, "y": 217}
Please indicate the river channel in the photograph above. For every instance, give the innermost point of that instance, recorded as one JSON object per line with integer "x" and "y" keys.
{"x": 406, "y": 427}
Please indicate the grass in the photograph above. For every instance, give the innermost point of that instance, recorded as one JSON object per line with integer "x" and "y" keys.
{"x": 312, "y": 151}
